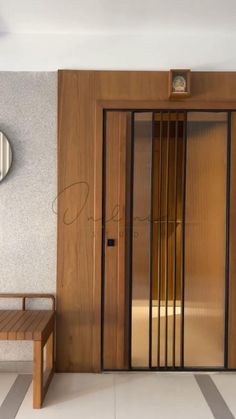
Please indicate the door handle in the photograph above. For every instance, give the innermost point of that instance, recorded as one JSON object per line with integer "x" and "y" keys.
{"x": 111, "y": 242}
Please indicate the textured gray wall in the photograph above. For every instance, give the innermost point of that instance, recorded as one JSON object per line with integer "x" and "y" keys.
{"x": 28, "y": 114}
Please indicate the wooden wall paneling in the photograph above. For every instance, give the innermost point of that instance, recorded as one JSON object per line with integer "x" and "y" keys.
{"x": 207, "y": 88}
{"x": 97, "y": 273}
{"x": 115, "y": 355}
{"x": 232, "y": 252}
{"x": 75, "y": 227}
{"x": 82, "y": 97}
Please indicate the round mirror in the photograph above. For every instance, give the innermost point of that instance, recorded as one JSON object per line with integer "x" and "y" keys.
{"x": 5, "y": 156}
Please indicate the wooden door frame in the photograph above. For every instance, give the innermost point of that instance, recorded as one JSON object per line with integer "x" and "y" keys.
{"x": 98, "y": 92}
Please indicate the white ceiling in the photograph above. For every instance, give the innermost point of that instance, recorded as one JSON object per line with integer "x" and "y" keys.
{"x": 116, "y": 16}
{"x": 44, "y": 35}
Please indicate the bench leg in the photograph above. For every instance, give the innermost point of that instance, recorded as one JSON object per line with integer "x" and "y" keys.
{"x": 41, "y": 379}
{"x": 50, "y": 353}
{"x": 49, "y": 362}
{"x": 38, "y": 375}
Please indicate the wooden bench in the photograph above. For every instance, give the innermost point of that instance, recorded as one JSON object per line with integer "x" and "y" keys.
{"x": 38, "y": 326}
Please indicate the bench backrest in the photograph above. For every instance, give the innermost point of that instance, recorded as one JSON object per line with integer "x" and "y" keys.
{"x": 24, "y": 297}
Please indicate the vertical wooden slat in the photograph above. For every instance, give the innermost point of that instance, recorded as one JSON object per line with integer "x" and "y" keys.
{"x": 159, "y": 244}
{"x": 38, "y": 375}
{"x": 115, "y": 321}
{"x": 50, "y": 352}
{"x": 232, "y": 251}
{"x": 175, "y": 238}
{"x": 151, "y": 255}
{"x": 75, "y": 285}
{"x": 167, "y": 240}
{"x": 184, "y": 163}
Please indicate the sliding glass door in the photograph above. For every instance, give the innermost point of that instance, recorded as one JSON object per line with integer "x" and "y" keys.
{"x": 166, "y": 270}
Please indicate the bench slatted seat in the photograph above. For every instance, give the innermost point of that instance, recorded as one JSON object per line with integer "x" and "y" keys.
{"x": 37, "y": 326}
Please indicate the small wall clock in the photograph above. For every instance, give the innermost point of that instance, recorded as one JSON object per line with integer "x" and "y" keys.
{"x": 179, "y": 84}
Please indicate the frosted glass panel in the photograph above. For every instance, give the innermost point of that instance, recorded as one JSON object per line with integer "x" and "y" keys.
{"x": 141, "y": 239}
{"x": 205, "y": 239}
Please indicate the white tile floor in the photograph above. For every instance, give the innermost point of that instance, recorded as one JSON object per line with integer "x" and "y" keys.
{"x": 164, "y": 396}
{"x": 124, "y": 396}
{"x": 6, "y": 381}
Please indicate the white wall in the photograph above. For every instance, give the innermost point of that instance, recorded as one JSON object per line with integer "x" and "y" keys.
{"x": 148, "y": 51}
{"x": 28, "y": 116}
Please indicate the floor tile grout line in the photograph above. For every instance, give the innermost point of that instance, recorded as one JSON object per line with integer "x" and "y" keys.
{"x": 15, "y": 396}
{"x": 213, "y": 397}
{"x": 9, "y": 389}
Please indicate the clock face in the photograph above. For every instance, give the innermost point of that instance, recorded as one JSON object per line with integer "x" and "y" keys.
{"x": 179, "y": 84}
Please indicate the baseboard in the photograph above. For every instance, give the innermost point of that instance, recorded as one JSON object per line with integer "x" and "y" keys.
{"x": 20, "y": 367}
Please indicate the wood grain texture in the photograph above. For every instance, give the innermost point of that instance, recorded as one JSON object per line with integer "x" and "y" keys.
{"x": 82, "y": 97}
{"x": 50, "y": 353}
{"x": 75, "y": 225}
{"x": 25, "y": 325}
{"x": 171, "y": 202}
{"x": 38, "y": 326}
{"x": 115, "y": 323}
{"x": 38, "y": 375}
{"x": 232, "y": 252}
